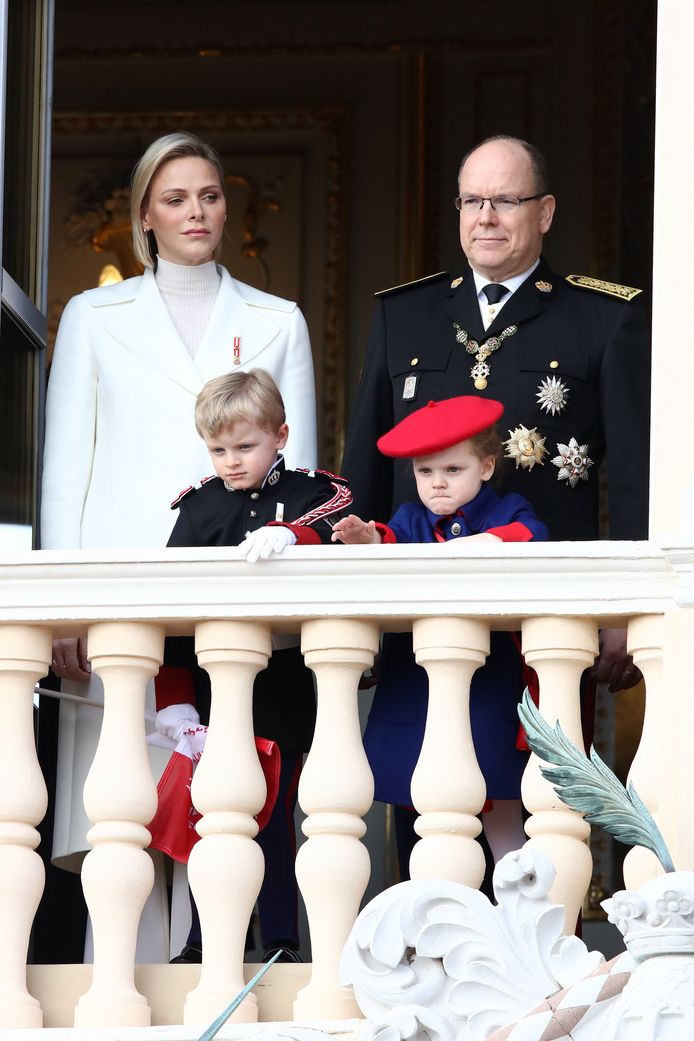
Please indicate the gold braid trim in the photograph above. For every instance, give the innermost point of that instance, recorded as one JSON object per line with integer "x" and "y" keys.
{"x": 599, "y": 286}
{"x": 417, "y": 282}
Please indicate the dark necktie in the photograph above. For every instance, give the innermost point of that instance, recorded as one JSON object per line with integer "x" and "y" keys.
{"x": 494, "y": 292}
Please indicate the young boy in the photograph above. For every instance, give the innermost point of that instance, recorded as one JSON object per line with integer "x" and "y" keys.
{"x": 255, "y": 502}
{"x": 454, "y": 450}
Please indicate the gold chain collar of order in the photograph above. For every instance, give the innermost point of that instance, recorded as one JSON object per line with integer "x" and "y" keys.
{"x": 480, "y": 370}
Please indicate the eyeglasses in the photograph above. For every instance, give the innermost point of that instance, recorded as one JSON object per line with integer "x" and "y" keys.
{"x": 500, "y": 203}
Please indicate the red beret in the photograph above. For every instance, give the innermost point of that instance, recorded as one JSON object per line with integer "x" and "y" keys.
{"x": 439, "y": 425}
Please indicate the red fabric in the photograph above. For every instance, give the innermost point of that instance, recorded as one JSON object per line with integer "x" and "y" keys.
{"x": 387, "y": 535}
{"x": 173, "y": 826}
{"x": 514, "y": 532}
{"x": 305, "y": 536}
{"x": 439, "y": 425}
{"x": 173, "y": 686}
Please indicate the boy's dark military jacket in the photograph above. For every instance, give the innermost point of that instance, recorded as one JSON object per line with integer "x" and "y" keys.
{"x": 308, "y": 502}
{"x": 209, "y": 515}
{"x": 593, "y": 342}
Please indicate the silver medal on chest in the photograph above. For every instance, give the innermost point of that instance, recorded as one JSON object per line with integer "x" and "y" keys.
{"x": 573, "y": 462}
{"x": 552, "y": 395}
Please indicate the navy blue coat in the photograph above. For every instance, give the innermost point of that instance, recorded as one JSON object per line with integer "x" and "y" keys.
{"x": 488, "y": 511}
{"x": 394, "y": 732}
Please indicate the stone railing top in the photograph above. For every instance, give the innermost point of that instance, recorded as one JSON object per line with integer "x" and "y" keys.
{"x": 605, "y": 580}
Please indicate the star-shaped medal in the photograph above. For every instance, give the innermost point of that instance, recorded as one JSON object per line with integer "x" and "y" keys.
{"x": 573, "y": 462}
{"x": 527, "y": 447}
{"x": 552, "y": 395}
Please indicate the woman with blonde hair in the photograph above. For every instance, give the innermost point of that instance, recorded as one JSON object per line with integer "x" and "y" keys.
{"x": 129, "y": 361}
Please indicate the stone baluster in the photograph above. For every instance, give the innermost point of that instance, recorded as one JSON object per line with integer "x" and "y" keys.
{"x": 120, "y": 798}
{"x": 226, "y": 867}
{"x": 25, "y": 654}
{"x": 559, "y": 649}
{"x": 335, "y": 791}
{"x": 645, "y": 643}
{"x": 448, "y": 800}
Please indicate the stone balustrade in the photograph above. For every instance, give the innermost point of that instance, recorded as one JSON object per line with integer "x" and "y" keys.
{"x": 339, "y": 599}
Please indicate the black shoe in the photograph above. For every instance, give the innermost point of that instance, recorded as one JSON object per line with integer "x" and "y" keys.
{"x": 289, "y": 953}
{"x": 190, "y": 955}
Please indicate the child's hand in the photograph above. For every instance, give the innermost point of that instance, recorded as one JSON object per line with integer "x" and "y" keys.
{"x": 353, "y": 531}
{"x": 263, "y": 542}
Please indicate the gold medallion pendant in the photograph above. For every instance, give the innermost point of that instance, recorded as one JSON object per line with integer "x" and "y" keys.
{"x": 479, "y": 373}
{"x": 526, "y": 447}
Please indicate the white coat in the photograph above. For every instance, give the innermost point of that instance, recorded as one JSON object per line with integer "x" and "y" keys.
{"x": 120, "y": 438}
{"x": 121, "y": 443}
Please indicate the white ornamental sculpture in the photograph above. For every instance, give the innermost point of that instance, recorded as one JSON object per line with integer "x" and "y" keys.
{"x": 657, "y": 922}
{"x": 437, "y": 961}
{"x": 434, "y": 960}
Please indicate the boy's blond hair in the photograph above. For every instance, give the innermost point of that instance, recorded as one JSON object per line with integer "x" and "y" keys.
{"x": 253, "y": 396}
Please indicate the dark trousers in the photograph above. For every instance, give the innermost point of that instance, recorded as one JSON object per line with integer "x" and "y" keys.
{"x": 278, "y": 900}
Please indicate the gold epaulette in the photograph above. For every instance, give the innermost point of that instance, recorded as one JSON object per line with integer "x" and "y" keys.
{"x": 417, "y": 282}
{"x": 599, "y": 286}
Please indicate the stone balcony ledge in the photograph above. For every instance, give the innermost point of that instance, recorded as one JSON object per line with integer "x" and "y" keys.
{"x": 509, "y": 581}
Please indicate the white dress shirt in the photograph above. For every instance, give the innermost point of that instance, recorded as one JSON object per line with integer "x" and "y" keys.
{"x": 490, "y": 311}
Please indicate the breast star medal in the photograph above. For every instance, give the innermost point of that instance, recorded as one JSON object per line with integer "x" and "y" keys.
{"x": 237, "y": 350}
{"x": 552, "y": 395}
{"x": 573, "y": 462}
{"x": 527, "y": 447}
{"x": 480, "y": 370}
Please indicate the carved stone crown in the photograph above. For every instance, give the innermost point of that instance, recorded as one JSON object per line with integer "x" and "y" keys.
{"x": 658, "y": 918}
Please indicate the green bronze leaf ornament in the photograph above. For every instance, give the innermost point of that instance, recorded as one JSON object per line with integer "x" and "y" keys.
{"x": 588, "y": 786}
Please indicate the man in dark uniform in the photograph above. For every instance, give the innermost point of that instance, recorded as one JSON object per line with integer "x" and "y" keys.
{"x": 568, "y": 358}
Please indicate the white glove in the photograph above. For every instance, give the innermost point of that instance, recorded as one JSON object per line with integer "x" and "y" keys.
{"x": 266, "y": 541}
{"x": 174, "y": 720}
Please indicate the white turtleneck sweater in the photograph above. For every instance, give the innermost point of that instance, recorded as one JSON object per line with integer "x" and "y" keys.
{"x": 189, "y": 293}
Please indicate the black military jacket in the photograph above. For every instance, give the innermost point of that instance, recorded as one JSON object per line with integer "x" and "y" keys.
{"x": 307, "y": 501}
{"x": 595, "y": 344}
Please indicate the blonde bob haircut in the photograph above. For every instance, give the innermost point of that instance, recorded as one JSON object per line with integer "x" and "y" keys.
{"x": 253, "y": 396}
{"x": 180, "y": 145}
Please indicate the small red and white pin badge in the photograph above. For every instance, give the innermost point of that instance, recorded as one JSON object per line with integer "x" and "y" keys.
{"x": 237, "y": 350}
